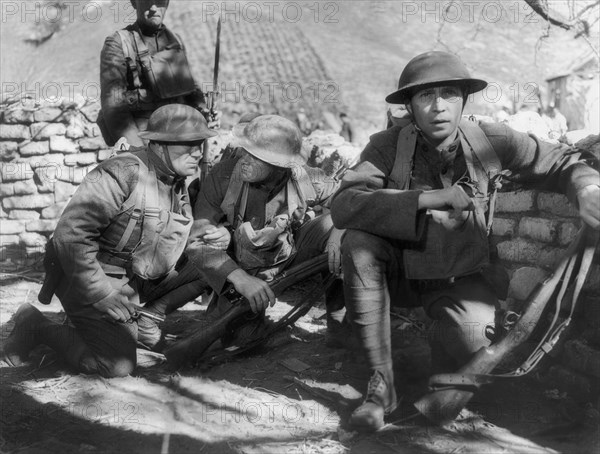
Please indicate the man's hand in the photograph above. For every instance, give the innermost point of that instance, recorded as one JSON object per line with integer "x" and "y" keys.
{"x": 454, "y": 198}
{"x": 255, "y": 290}
{"x": 116, "y": 306}
{"x": 334, "y": 254}
{"x": 218, "y": 237}
{"x": 589, "y": 205}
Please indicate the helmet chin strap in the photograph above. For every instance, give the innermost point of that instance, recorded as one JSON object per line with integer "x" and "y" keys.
{"x": 162, "y": 151}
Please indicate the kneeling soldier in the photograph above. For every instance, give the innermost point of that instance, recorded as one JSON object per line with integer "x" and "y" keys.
{"x": 266, "y": 194}
{"x": 119, "y": 244}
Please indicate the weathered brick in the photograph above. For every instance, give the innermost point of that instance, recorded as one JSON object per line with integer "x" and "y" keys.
{"x": 28, "y": 202}
{"x": 3, "y": 214}
{"x": 15, "y": 171}
{"x": 54, "y": 211}
{"x": 42, "y": 131}
{"x": 27, "y": 187}
{"x": 90, "y": 111}
{"x": 52, "y": 114}
{"x": 61, "y": 144}
{"x": 63, "y": 191}
{"x": 82, "y": 159}
{"x": 524, "y": 280}
{"x": 42, "y": 225}
{"x": 14, "y": 132}
{"x": 49, "y": 160}
{"x": 33, "y": 240}
{"x": 581, "y": 357}
{"x": 556, "y": 204}
{"x": 519, "y": 250}
{"x": 539, "y": 229}
{"x": 24, "y": 215}
{"x": 8, "y": 240}
{"x": 8, "y": 150}
{"x": 10, "y": 227}
{"x": 549, "y": 256}
{"x": 566, "y": 232}
{"x": 18, "y": 115}
{"x": 103, "y": 155}
{"x": 517, "y": 201}
{"x": 35, "y": 148}
{"x": 75, "y": 131}
{"x": 92, "y": 144}
{"x": 92, "y": 130}
{"x": 7, "y": 189}
{"x": 504, "y": 227}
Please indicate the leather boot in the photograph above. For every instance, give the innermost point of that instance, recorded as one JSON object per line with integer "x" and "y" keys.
{"x": 23, "y": 337}
{"x": 379, "y": 401}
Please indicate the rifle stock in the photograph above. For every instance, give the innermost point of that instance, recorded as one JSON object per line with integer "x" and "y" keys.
{"x": 443, "y": 405}
{"x": 192, "y": 347}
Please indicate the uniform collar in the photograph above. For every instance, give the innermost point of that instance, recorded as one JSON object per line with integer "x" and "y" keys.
{"x": 147, "y": 32}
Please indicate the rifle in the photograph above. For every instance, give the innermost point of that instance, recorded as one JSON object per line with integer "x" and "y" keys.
{"x": 212, "y": 103}
{"x": 451, "y": 392}
{"x": 191, "y": 348}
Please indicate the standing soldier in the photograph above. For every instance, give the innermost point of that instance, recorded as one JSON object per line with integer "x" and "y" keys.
{"x": 416, "y": 214}
{"x": 143, "y": 67}
{"x": 119, "y": 244}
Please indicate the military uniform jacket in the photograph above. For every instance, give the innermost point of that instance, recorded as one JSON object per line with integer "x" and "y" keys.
{"x": 368, "y": 200}
{"x": 215, "y": 264}
{"x": 118, "y": 112}
{"x": 95, "y": 218}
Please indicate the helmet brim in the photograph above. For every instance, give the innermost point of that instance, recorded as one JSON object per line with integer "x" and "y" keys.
{"x": 277, "y": 159}
{"x": 169, "y": 137}
{"x": 403, "y": 95}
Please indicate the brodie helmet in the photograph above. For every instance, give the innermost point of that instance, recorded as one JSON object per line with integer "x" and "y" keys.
{"x": 433, "y": 69}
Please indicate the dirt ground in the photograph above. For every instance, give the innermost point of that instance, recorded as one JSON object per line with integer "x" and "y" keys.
{"x": 266, "y": 402}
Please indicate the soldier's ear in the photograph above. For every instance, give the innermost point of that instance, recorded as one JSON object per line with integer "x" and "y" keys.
{"x": 409, "y": 108}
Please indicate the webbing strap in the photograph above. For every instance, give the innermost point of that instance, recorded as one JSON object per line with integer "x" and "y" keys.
{"x": 583, "y": 257}
{"x": 138, "y": 208}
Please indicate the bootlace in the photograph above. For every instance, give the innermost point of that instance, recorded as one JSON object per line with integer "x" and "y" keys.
{"x": 376, "y": 385}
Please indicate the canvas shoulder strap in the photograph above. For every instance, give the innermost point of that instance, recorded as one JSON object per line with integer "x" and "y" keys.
{"x": 130, "y": 53}
{"x": 475, "y": 144}
{"x": 139, "y": 197}
{"x": 399, "y": 178}
{"x": 482, "y": 148}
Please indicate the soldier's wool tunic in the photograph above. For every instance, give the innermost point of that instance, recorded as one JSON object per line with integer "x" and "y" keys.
{"x": 383, "y": 221}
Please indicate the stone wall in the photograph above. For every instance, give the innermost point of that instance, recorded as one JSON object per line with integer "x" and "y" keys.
{"x": 46, "y": 150}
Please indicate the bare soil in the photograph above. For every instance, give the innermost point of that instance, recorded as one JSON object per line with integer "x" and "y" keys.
{"x": 263, "y": 403}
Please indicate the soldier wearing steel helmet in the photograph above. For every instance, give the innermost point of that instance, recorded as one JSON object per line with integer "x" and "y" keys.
{"x": 142, "y": 68}
{"x": 267, "y": 195}
{"x": 119, "y": 245}
{"x": 416, "y": 216}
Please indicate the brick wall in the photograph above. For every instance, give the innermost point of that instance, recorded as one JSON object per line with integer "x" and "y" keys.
{"x": 532, "y": 230}
{"x": 46, "y": 150}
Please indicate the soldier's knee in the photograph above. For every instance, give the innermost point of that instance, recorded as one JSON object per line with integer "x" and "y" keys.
{"x": 357, "y": 242}
{"x": 107, "y": 367}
